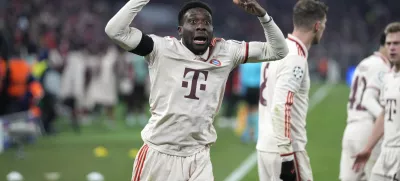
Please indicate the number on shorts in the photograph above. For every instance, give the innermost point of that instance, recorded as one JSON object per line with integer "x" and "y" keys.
{"x": 359, "y": 80}
{"x": 263, "y": 101}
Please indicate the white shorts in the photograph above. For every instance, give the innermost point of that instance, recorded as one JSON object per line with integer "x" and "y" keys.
{"x": 269, "y": 166}
{"x": 387, "y": 166}
{"x": 354, "y": 140}
{"x": 153, "y": 165}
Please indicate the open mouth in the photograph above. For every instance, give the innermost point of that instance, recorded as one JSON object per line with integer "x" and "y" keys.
{"x": 200, "y": 40}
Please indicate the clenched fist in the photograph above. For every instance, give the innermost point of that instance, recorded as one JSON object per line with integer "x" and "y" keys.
{"x": 251, "y": 6}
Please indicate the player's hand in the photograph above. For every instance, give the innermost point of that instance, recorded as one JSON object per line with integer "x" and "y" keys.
{"x": 251, "y": 6}
{"x": 288, "y": 171}
{"x": 361, "y": 159}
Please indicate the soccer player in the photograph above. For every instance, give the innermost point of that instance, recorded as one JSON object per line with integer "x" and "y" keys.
{"x": 188, "y": 78}
{"x": 387, "y": 167}
{"x": 284, "y": 100}
{"x": 362, "y": 110}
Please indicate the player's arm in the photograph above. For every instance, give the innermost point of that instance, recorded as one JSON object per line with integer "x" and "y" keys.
{"x": 129, "y": 38}
{"x": 377, "y": 133}
{"x": 274, "y": 48}
{"x": 289, "y": 78}
{"x": 371, "y": 95}
{"x": 371, "y": 101}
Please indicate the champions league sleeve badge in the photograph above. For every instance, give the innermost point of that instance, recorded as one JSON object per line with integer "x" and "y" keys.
{"x": 298, "y": 72}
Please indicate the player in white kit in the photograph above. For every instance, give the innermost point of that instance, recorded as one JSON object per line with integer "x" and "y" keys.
{"x": 188, "y": 77}
{"x": 284, "y": 100}
{"x": 362, "y": 110}
{"x": 387, "y": 167}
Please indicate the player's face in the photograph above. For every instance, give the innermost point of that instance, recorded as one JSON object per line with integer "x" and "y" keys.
{"x": 197, "y": 30}
{"x": 319, "y": 28}
{"x": 393, "y": 47}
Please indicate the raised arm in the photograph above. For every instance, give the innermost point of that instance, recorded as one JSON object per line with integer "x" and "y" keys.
{"x": 275, "y": 47}
{"x": 129, "y": 38}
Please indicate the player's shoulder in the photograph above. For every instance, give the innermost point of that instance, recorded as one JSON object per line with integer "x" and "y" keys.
{"x": 374, "y": 63}
{"x": 223, "y": 42}
{"x": 293, "y": 59}
{"x": 295, "y": 49}
{"x": 163, "y": 38}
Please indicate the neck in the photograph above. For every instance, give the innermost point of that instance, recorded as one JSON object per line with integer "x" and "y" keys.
{"x": 396, "y": 67}
{"x": 306, "y": 37}
{"x": 382, "y": 51}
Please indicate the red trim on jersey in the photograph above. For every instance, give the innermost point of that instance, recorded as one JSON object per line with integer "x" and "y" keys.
{"x": 287, "y": 154}
{"x": 288, "y": 104}
{"x": 212, "y": 45}
{"x": 140, "y": 162}
{"x": 373, "y": 87}
{"x": 246, "y": 53}
{"x": 296, "y": 165}
{"x": 300, "y": 50}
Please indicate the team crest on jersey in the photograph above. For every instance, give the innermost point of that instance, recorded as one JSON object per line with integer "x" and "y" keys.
{"x": 215, "y": 62}
{"x": 298, "y": 72}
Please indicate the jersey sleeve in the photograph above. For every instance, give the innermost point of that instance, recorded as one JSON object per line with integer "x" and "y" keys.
{"x": 239, "y": 51}
{"x": 159, "y": 45}
{"x": 289, "y": 78}
{"x": 376, "y": 79}
{"x": 372, "y": 94}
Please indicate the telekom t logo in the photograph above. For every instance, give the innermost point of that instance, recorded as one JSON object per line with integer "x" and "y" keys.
{"x": 392, "y": 107}
{"x": 193, "y": 88}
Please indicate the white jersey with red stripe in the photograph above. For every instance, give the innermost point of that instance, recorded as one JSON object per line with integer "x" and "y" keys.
{"x": 368, "y": 75}
{"x": 284, "y": 100}
{"x": 187, "y": 91}
{"x": 391, "y": 99}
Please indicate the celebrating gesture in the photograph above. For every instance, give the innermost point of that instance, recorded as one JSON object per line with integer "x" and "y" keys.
{"x": 251, "y": 6}
{"x": 196, "y": 66}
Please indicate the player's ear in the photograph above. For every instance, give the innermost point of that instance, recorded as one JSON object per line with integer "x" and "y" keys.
{"x": 317, "y": 26}
{"x": 180, "y": 30}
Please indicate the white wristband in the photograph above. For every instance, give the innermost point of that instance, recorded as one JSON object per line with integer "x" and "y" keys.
{"x": 266, "y": 18}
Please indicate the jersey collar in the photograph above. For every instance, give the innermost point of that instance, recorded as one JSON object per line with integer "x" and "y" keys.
{"x": 384, "y": 59}
{"x": 299, "y": 44}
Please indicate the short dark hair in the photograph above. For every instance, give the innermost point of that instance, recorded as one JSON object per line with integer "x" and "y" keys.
{"x": 191, "y": 5}
{"x": 307, "y": 12}
{"x": 382, "y": 39}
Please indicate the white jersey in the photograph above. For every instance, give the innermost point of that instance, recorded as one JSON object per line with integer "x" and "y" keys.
{"x": 284, "y": 100}
{"x": 391, "y": 99}
{"x": 186, "y": 89}
{"x": 368, "y": 75}
{"x": 186, "y": 93}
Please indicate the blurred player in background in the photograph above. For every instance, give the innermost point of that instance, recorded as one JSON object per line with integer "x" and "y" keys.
{"x": 250, "y": 81}
{"x": 362, "y": 110}
{"x": 284, "y": 97}
{"x": 138, "y": 108}
{"x": 188, "y": 77}
{"x": 387, "y": 167}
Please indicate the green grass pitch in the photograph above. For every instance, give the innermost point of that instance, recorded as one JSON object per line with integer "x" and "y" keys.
{"x": 72, "y": 155}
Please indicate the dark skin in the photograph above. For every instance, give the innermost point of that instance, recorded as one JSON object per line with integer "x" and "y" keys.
{"x": 197, "y": 24}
